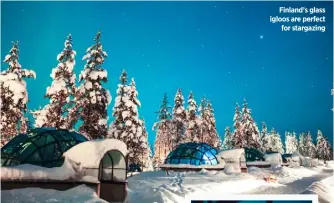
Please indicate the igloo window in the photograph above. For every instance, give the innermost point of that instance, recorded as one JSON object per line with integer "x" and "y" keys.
{"x": 40, "y": 146}
{"x": 194, "y": 154}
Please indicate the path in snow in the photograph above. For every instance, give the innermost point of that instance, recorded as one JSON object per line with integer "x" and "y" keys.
{"x": 295, "y": 187}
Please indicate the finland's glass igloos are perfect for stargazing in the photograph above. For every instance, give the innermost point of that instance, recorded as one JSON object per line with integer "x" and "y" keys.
{"x": 194, "y": 154}
{"x": 40, "y": 146}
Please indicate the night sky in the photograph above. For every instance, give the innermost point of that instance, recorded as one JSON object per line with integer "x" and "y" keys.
{"x": 225, "y": 51}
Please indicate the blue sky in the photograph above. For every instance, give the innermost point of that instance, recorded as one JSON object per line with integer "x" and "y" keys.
{"x": 225, "y": 51}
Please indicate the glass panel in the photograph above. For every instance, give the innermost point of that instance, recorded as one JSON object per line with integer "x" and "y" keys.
{"x": 34, "y": 157}
{"x": 106, "y": 161}
{"x": 185, "y": 161}
{"x": 214, "y": 162}
{"x": 174, "y": 161}
{"x": 119, "y": 175}
{"x": 107, "y": 173}
{"x": 118, "y": 159}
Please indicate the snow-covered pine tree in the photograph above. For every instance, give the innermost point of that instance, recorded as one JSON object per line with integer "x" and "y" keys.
{"x": 321, "y": 150}
{"x": 179, "y": 118}
{"x": 276, "y": 144}
{"x": 238, "y": 140}
{"x": 309, "y": 146}
{"x": 91, "y": 99}
{"x": 193, "y": 121}
{"x": 120, "y": 111}
{"x": 301, "y": 147}
{"x": 291, "y": 142}
{"x": 14, "y": 96}
{"x": 212, "y": 134}
{"x": 61, "y": 91}
{"x": 264, "y": 138}
{"x": 203, "y": 115}
{"x": 324, "y": 149}
{"x": 249, "y": 128}
{"x": 227, "y": 144}
{"x": 133, "y": 132}
{"x": 163, "y": 138}
{"x": 144, "y": 145}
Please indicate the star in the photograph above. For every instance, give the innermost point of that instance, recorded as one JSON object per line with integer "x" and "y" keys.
{"x": 159, "y": 40}
{"x": 245, "y": 85}
{"x": 262, "y": 67}
{"x": 312, "y": 86}
{"x": 226, "y": 12}
{"x": 197, "y": 29}
{"x": 261, "y": 36}
{"x": 22, "y": 10}
{"x": 148, "y": 65}
{"x": 202, "y": 45}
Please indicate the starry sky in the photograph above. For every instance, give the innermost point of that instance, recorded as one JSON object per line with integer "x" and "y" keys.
{"x": 225, "y": 51}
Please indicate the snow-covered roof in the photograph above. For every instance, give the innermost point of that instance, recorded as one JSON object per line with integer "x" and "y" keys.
{"x": 231, "y": 153}
{"x": 89, "y": 154}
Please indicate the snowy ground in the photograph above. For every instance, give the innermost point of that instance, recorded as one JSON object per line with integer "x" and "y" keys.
{"x": 157, "y": 187}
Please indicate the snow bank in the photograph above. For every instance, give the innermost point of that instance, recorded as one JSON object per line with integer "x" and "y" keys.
{"x": 330, "y": 164}
{"x": 275, "y": 159}
{"x": 232, "y": 168}
{"x": 27, "y": 171}
{"x": 81, "y": 193}
{"x": 89, "y": 154}
{"x": 232, "y": 154}
{"x": 189, "y": 166}
{"x": 324, "y": 189}
{"x": 155, "y": 186}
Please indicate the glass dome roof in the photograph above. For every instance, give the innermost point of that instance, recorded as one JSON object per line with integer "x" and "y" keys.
{"x": 194, "y": 154}
{"x": 40, "y": 146}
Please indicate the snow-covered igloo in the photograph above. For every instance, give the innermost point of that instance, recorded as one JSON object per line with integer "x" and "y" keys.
{"x": 193, "y": 156}
{"x": 99, "y": 164}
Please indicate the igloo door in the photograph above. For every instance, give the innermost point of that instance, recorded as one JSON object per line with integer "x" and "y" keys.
{"x": 112, "y": 176}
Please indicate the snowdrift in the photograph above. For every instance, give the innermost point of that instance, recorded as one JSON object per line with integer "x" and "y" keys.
{"x": 27, "y": 171}
{"x": 324, "y": 189}
{"x": 275, "y": 159}
{"x": 81, "y": 193}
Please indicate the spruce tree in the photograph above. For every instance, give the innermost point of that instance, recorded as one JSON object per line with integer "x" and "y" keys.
{"x": 120, "y": 112}
{"x": 91, "y": 99}
{"x": 324, "y": 149}
{"x": 133, "y": 129}
{"x": 61, "y": 91}
{"x": 238, "y": 140}
{"x": 163, "y": 138}
{"x": 193, "y": 128}
{"x": 179, "y": 118}
{"x": 212, "y": 134}
{"x": 276, "y": 144}
{"x": 14, "y": 96}
{"x": 291, "y": 142}
{"x": 227, "y": 144}
{"x": 264, "y": 139}
{"x": 309, "y": 146}
{"x": 249, "y": 128}
{"x": 301, "y": 144}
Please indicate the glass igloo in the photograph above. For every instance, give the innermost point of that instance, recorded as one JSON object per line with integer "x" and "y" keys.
{"x": 40, "y": 146}
{"x": 194, "y": 154}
